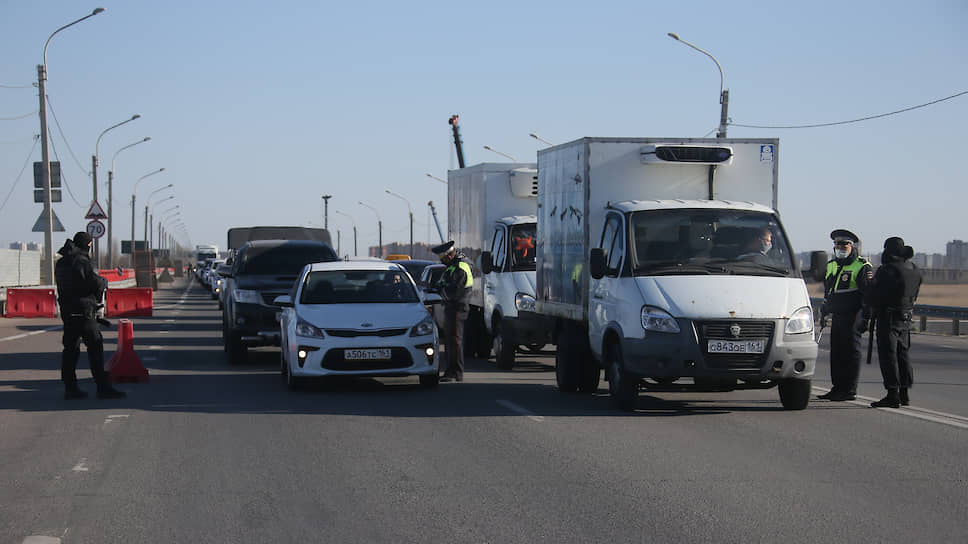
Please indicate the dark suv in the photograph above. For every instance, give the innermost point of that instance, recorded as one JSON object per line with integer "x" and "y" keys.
{"x": 261, "y": 271}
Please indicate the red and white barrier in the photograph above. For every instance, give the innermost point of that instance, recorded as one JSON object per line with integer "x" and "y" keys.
{"x": 128, "y": 302}
{"x": 31, "y": 303}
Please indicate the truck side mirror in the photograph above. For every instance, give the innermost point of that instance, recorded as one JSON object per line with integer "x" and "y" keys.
{"x": 486, "y": 263}
{"x": 597, "y": 265}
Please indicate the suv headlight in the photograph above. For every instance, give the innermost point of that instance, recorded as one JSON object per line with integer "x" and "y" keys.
{"x": 658, "y": 320}
{"x": 304, "y": 328}
{"x": 245, "y": 296}
{"x": 800, "y": 322}
{"x": 524, "y": 302}
{"x": 423, "y": 328}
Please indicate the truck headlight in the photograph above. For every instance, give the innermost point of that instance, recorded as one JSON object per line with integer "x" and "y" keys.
{"x": 304, "y": 328}
{"x": 423, "y": 328}
{"x": 245, "y": 296}
{"x": 658, "y": 320}
{"x": 800, "y": 322}
{"x": 524, "y": 302}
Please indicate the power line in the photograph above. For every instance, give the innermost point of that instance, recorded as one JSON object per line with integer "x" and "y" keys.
{"x": 956, "y": 95}
{"x": 26, "y": 162}
{"x": 59, "y": 129}
{"x": 16, "y": 86}
{"x": 24, "y": 116}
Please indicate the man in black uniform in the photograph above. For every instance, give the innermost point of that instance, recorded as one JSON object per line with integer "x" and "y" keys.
{"x": 892, "y": 295}
{"x": 848, "y": 277}
{"x": 79, "y": 293}
{"x": 455, "y": 284}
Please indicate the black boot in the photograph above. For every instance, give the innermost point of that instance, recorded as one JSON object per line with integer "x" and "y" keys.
{"x": 828, "y": 394}
{"x": 903, "y": 397}
{"x": 74, "y": 392}
{"x": 890, "y": 401}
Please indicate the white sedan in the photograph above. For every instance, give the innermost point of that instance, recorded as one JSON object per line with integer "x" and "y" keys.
{"x": 356, "y": 318}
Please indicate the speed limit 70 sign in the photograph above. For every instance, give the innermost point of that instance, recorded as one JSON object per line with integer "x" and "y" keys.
{"x": 96, "y": 229}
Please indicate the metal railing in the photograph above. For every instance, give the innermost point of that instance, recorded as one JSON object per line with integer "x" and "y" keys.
{"x": 923, "y": 311}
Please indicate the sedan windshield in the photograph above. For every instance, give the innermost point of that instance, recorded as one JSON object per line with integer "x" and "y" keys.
{"x": 708, "y": 241}
{"x": 358, "y": 286}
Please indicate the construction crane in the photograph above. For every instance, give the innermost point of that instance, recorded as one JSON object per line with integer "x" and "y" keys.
{"x": 457, "y": 142}
{"x": 433, "y": 211}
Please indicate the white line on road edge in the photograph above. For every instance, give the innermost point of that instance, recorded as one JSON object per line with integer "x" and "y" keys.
{"x": 81, "y": 466}
{"x": 944, "y": 418}
{"x": 520, "y": 410}
{"x": 26, "y": 334}
{"x": 39, "y": 539}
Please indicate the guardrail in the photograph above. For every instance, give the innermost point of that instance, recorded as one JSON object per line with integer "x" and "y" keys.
{"x": 956, "y": 314}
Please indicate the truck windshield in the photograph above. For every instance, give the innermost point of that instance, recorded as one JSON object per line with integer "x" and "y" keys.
{"x": 523, "y": 244}
{"x": 284, "y": 260}
{"x": 708, "y": 241}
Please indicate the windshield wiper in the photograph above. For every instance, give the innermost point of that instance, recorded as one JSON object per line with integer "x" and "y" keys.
{"x": 677, "y": 267}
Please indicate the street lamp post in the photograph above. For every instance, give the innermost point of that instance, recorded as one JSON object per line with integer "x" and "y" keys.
{"x": 45, "y": 154}
{"x": 410, "y": 208}
{"x": 326, "y": 210}
{"x": 540, "y": 139}
{"x": 379, "y": 225}
{"x": 723, "y": 92}
{"x": 354, "y": 228}
{"x": 147, "y": 204}
{"x": 431, "y": 176}
{"x": 111, "y": 197}
{"x": 94, "y": 164}
{"x": 151, "y": 220}
{"x": 133, "y": 199}
{"x": 492, "y": 150}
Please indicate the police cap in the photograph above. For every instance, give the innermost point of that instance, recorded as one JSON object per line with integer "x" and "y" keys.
{"x": 443, "y": 248}
{"x": 844, "y": 235}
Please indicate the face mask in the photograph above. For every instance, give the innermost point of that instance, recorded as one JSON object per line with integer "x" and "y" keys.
{"x": 765, "y": 247}
{"x": 841, "y": 253}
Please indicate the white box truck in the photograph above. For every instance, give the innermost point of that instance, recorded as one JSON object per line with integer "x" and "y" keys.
{"x": 491, "y": 218}
{"x": 665, "y": 258}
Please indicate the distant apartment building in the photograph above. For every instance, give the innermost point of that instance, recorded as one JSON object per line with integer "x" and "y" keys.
{"x": 957, "y": 254}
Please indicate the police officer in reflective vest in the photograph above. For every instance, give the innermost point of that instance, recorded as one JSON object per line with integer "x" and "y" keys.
{"x": 848, "y": 277}
{"x": 455, "y": 285}
{"x": 892, "y": 296}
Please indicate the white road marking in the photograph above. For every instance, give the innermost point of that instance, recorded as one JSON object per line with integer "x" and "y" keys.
{"x": 38, "y": 539}
{"x": 944, "y": 418}
{"x": 520, "y": 410}
{"x": 81, "y": 466}
{"x": 163, "y": 332}
{"x": 113, "y": 418}
{"x": 26, "y": 334}
{"x": 154, "y": 347}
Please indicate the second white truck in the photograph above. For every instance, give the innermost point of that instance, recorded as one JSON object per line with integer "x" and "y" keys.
{"x": 664, "y": 258}
{"x": 491, "y": 217}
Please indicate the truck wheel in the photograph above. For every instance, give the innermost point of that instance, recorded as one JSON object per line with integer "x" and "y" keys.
{"x": 503, "y": 347}
{"x": 794, "y": 394}
{"x": 591, "y": 374}
{"x": 622, "y": 387}
{"x": 567, "y": 364}
{"x": 236, "y": 350}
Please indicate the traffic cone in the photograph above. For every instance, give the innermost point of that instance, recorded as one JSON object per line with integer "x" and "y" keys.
{"x": 124, "y": 365}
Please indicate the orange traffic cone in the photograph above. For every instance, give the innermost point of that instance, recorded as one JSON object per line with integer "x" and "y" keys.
{"x": 124, "y": 365}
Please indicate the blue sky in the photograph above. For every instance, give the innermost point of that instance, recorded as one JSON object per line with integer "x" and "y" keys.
{"x": 257, "y": 109}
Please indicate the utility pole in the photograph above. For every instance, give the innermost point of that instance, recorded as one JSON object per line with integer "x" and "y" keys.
{"x": 326, "y": 210}
{"x": 457, "y": 141}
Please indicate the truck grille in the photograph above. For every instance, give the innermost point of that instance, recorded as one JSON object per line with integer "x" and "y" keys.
{"x": 720, "y": 330}
{"x": 399, "y": 358}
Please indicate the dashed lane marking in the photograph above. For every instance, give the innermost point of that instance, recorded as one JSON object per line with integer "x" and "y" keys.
{"x": 26, "y": 334}
{"x": 81, "y": 466}
{"x": 944, "y": 418}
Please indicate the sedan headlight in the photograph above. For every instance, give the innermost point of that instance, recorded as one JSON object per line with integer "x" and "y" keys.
{"x": 304, "y": 328}
{"x": 658, "y": 320}
{"x": 524, "y": 302}
{"x": 423, "y": 328}
{"x": 245, "y": 296}
{"x": 800, "y": 322}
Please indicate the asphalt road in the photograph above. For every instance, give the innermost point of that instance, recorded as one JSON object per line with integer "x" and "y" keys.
{"x": 210, "y": 452}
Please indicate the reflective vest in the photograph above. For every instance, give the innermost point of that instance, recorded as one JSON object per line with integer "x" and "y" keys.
{"x": 449, "y": 272}
{"x": 847, "y": 275}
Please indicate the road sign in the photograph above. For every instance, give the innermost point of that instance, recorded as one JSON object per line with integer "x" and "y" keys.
{"x": 96, "y": 229}
{"x": 55, "y": 175}
{"x": 95, "y": 212}
{"x": 41, "y": 224}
